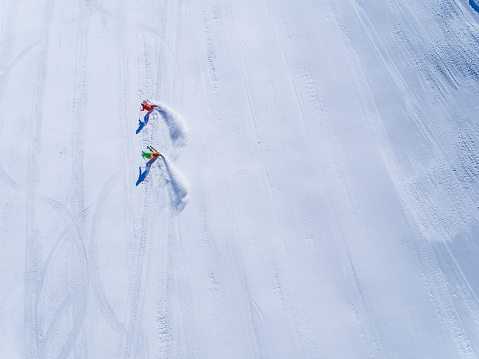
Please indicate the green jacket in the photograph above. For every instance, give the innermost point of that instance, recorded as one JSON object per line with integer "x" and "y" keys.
{"x": 147, "y": 155}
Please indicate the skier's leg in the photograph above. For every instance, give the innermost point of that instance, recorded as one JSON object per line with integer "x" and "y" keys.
{"x": 150, "y": 162}
{"x": 147, "y": 116}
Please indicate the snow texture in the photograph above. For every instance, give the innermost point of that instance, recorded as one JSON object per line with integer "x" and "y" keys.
{"x": 318, "y": 195}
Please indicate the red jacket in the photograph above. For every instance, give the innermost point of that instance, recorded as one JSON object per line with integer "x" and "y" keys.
{"x": 146, "y": 107}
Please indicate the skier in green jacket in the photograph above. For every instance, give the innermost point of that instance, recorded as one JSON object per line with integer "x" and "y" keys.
{"x": 152, "y": 155}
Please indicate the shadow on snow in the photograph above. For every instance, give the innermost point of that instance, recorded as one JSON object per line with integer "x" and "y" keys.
{"x": 173, "y": 121}
{"x": 145, "y": 173}
{"x": 474, "y": 5}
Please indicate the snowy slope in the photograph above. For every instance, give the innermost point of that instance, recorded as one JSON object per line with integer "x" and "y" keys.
{"x": 318, "y": 196}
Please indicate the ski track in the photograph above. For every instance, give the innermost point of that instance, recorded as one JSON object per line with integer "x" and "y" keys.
{"x": 4, "y": 72}
{"x": 135, "y": 267}
{"x": 365, "y": 324}
{"x": 32, "y": 255}
{"x": 6, "y": 46}
{"x": 136, "y": 342}
{"x": 301, "y": 322}
{"x": 71, "y": 231}
{"x": 213, "y": 22}
{"x": 163, "y": 298}
{"x": 315, "y": 100}
{"x": 402, "y": 88}
{"x": 94, "y": 266}
{"x": 132, "y": 344}
{"x": 446, "y": 307}
{"x": 310, "y": 348}
{"x": 190, "y": 329}
{"x": 77, "y": 190}
{"x": 128, "y": 148}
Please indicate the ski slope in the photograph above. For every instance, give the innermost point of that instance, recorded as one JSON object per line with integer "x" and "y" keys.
{"x": 318, "y": 197}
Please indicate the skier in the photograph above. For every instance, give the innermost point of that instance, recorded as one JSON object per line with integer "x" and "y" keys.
{"x": 152, "y": 156}
{"x": 153, "y": 153}
{"x": 145, "y": 106}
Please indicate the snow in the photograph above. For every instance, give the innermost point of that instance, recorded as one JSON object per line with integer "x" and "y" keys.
{"x": 318, "y": 197}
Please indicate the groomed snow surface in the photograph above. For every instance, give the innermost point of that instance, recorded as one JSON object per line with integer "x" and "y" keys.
{"x": 318, "y": 197}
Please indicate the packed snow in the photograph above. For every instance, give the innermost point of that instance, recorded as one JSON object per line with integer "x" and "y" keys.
{"x": 317, "y": 194}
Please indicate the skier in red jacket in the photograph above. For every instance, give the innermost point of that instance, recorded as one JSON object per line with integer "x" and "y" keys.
{"x": 145, "y": 106}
